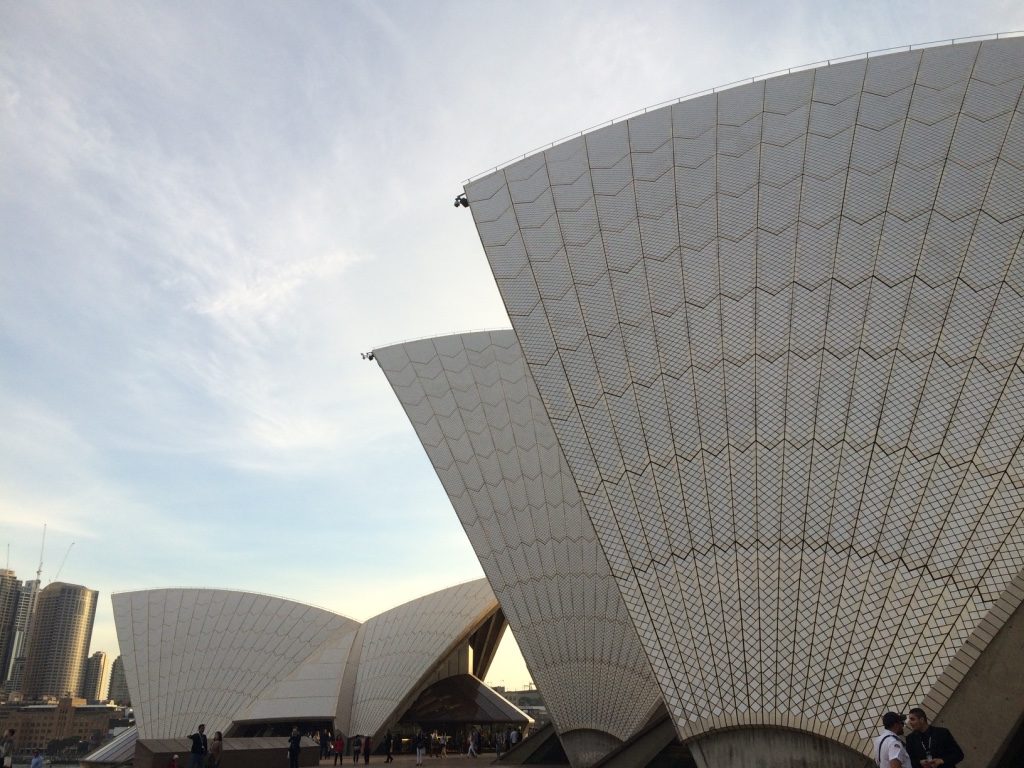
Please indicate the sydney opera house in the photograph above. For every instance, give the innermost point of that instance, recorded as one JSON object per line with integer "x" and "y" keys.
{"x": 746, "y": 471}
{"x": 751, "y": 451}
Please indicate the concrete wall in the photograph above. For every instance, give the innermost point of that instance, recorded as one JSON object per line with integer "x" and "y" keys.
{"x": 987, "y": 708}
{"x": 263, "y": 752}
{"x": 772, "y": 748}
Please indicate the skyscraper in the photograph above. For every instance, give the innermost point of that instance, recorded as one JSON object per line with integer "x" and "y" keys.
{"x": 118, "y": 690}
{"x": 9, "y": 585}
{"x": 95, "y": 670}
{"x": 61, "y": 633}
{"x": 17, "y": 628}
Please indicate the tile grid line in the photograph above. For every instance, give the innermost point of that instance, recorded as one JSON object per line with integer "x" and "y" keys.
{"x": 706, "y": 694}
{"x": 671, "y": 676}
{"x": 817, "y": 402}
{"x": 963, "y": 387}
{"x": 556, "y": 354}
{"x": 849, "y": 399}
{"x": 624, "y": 476}
{"x": 730, "y": 665}
{"x": 850, "y": 711}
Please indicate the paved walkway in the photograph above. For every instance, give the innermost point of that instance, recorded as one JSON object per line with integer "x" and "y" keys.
{"x": 378, "y": 760}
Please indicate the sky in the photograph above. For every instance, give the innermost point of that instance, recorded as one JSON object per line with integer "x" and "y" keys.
{"x": 208, "y": 210}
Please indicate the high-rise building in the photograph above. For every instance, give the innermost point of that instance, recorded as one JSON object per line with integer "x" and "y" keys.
{"x": 118, "y": 690}
{"x": 95, "y": 671}
{"x": 9, "y": 587}
{"x": 61, "y": 633}
{"x": 21, "y": 626}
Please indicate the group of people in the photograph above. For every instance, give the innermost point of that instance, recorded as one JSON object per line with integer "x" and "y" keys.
{"x": 335, "y": 745}
{"x": 925, "y": 746}
{"x": 203, "y": 753}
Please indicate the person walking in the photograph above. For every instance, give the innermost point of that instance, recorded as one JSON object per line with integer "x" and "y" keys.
{"x": 216, "y": 747}
{"x": 357, "y": 744}
{"x": 421, "y": 746}
{"x": 294, "y": 747}
{"x": 389, "y": 743}
{"x": 929, "y": 745}
{"x": 197, "y": 753}
{"x": 474, "y": 743}
{"x": 890, "y": 751}
{"x": 339, "y": 748}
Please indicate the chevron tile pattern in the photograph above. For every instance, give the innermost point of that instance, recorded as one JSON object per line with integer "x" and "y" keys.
{"x": 205, "y": 655}
{"x": 478, "y": 414}
{"x": 217, "y": 656}
{"x": 402, "y": 645}
{"x": 777, "y": 331}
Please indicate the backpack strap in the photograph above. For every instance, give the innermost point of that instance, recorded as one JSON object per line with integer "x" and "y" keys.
{"x": 879, "y": 760}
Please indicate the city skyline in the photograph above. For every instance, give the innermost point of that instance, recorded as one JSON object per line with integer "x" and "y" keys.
{"x": 209, "y": 205}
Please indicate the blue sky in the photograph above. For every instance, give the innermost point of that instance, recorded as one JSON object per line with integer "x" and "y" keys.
{"x": 208, "y": 210}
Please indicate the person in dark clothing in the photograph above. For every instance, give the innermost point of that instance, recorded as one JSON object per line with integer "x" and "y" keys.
{"x": 294, "y": 747}
{"x": 389, "y": 745}
{"x": 357, "y": 744}
{"x": 366, "y": 750}
{"x": 325, "y": 744}
{"x": 339, "y": 748}
{"x": 199, "y": 747}
{"x": 929, "y": 745}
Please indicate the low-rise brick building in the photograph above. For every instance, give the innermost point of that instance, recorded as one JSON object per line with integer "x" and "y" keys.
{"x": 36, "y": 725}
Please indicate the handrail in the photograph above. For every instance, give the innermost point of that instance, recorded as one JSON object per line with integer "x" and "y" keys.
{"x": 440, "y": 335}
{"x": 745, "y": 81}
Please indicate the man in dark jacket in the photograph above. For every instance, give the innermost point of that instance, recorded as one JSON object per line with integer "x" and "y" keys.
{"x": 929, "y": 745}
{"x": 294, "y": 747}
{"x": 199, "y": 748}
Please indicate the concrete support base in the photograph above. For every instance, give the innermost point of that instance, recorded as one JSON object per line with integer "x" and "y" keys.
{"x": 761, "y": 747}
{"x": 584, "y": 748}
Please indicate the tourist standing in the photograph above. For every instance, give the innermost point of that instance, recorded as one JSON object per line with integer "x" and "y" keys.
{"x": 37, "y": 760}
{"x": 366, "y": 749}
{"x": 929, "y": 745}
{"x": 357, "y": 744}
{"x": 389, "y": 743}
{"x": 325, "y": 744}
{"x": 216, "y": 747}
{"x": 7, "y": 748}
{"x": 339, "y": 748}
{"x": 421, "y": 746}
{"x": 890, "y": 751}
{"x": 197, "y": 753}
{"x": 294, "y": 747}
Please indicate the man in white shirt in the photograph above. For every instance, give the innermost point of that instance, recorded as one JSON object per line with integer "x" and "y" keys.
{"x": 890, "y": 751}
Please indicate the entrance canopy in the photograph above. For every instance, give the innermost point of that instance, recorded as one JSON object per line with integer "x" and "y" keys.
{"x": 463, "y": 699}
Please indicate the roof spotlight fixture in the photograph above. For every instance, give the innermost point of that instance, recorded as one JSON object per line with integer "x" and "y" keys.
{"x": 366, "y": 355}
{"x": 461, "y": 200}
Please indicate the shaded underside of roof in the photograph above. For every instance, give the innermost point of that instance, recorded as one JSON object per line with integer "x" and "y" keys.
{"x": 463, "y": 699}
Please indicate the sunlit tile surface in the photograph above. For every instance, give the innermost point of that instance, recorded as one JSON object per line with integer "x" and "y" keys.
{"x": 217, "y": 656}
{"x": 205, "y": 655}
{"x": 479, "y": 417}
{"x": 777, "y": 330}
{"x": 400, "y": 646}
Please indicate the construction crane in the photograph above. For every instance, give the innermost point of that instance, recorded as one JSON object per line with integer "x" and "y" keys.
{"x": 42, "y": 548}
{"x": 64, "y": 560}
